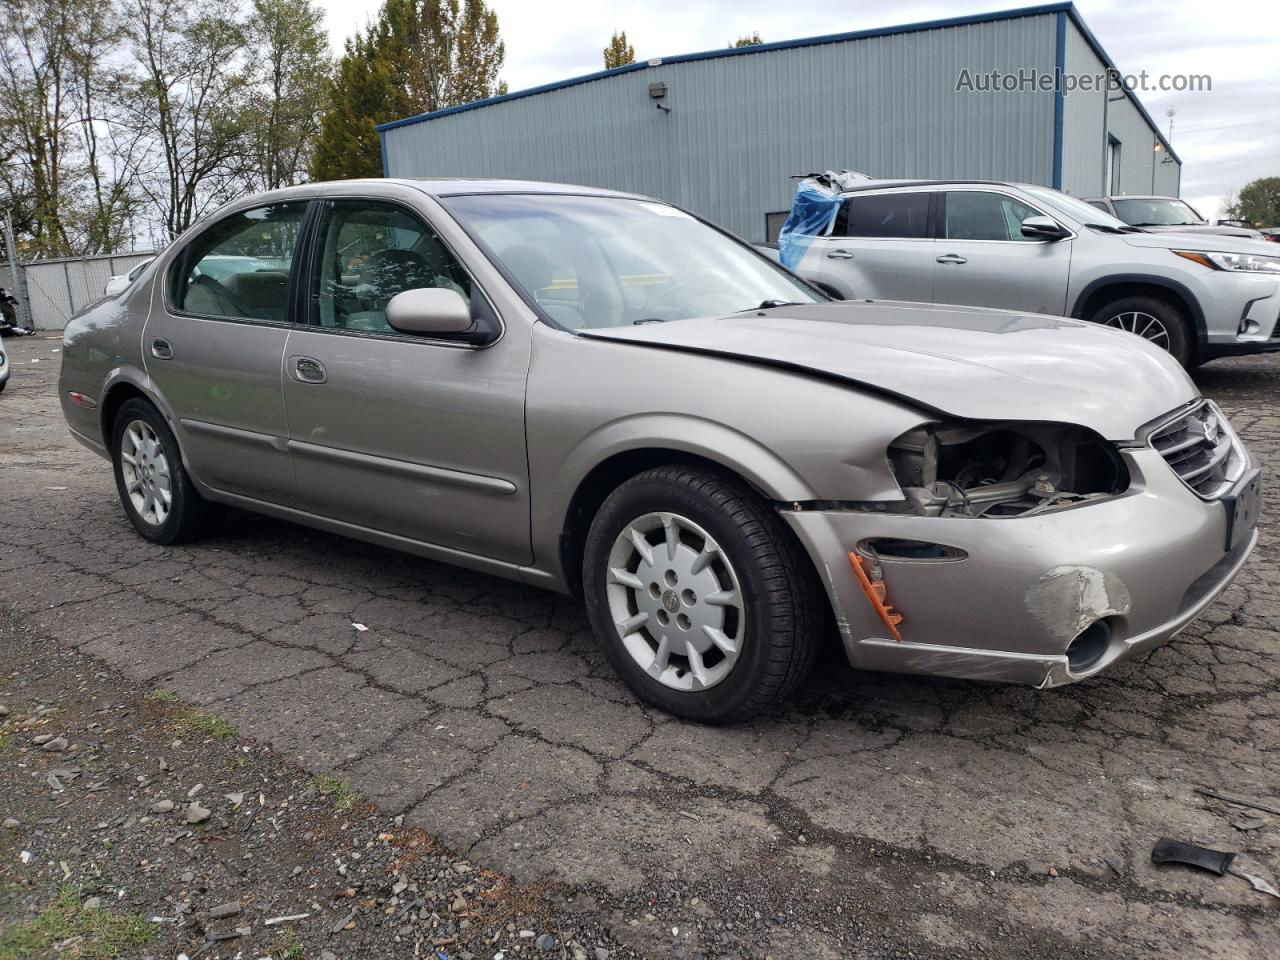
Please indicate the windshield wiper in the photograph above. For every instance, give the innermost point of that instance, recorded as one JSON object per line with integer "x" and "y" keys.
{"x": 636, "y": 323}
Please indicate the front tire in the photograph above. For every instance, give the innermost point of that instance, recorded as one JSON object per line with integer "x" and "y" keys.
{"x": 1152, "y": 319}
{"x": 705, "y": 604}
{"x": 155, "y": 491}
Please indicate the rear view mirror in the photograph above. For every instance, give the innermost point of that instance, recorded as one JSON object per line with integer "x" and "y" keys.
{"x": 1043, "y": 228}
{"x": 429, "y": 310}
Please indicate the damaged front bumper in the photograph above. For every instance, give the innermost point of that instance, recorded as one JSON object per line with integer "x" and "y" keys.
{"x": 1006, "y": 602}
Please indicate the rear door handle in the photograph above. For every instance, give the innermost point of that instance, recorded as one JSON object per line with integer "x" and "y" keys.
{"x": 161, "y": 350}
{"x": 307, "y": 370}
{"x": 840, "y": 255}
{"x": 951, "y": 258}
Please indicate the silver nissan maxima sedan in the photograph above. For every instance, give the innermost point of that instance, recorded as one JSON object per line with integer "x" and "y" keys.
{"x": 602, "y": 394}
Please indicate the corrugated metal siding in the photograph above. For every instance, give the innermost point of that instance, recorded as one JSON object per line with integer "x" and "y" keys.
{"x": 740, "y": 126}
{"x": 1084, "y": 124}
{"x": 1142, "y": 170}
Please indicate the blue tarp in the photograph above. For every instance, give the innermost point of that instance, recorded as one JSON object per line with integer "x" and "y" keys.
{"x": 811, "y": 212}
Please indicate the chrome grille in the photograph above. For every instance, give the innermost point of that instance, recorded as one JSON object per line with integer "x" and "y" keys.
{"x": 1202, "y": 449}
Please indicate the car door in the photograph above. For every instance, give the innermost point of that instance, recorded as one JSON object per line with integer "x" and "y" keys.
{"x": 399, "y": 433}
{"x": 879, "y": 248}
{"x": 214, "y": 346}
{"x": 983, "y": 260}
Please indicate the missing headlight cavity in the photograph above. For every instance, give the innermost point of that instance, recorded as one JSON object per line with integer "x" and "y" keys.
{"x": 1006, "y": 469}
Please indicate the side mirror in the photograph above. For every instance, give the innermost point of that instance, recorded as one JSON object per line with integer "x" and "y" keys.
{"x": 1043, "y": 228}
{"x": 429, "y": 310}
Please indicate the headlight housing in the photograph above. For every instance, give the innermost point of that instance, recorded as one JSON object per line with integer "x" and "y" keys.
{"x": 1006, "y": 469}
{"x": 1236, "y": 262}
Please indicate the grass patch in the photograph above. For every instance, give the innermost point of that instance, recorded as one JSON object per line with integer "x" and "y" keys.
{"x": 290, "y": 949}
{"x": 75, "y": 933}
{"x": 345, "y": 797}
{"x": 6, "y": 728}
{"x": 192, "y": 722}
{"x": 161, "y": 695}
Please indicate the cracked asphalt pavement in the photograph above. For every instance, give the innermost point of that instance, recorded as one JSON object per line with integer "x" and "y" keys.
{"x": 874, "y": 815}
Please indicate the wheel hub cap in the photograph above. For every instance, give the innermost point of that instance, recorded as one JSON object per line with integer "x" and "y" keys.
{"x": 146, "y": 472}
{"x": 675, "y": 601}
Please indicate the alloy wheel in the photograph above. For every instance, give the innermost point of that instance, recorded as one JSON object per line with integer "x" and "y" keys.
{"x": 676, "y": 601}
{"x": 146, "y": 472}
{"x": 1144, "y": 325}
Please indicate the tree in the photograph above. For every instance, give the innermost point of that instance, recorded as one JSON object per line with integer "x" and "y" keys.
{"x": 417, "y": 57}
{"x": 188, "y": 101}
{"x": 619, "y": 53}
{"x": 67, "y": 191}
{"x": 1258, "y": 203}
{"x": 289, "y": 71}
{"x": 751, "y": 40}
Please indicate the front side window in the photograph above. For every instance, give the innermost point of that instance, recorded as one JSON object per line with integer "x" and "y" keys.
{"x": 239, "y": 267}
{"x": 614, "y": 261}
{"x": 369, "y": 252}
{"x": 886, "y": 215}
{"x": 975, "y": 215}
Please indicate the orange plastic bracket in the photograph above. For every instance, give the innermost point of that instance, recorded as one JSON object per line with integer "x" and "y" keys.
{"x": 876, "y": 594}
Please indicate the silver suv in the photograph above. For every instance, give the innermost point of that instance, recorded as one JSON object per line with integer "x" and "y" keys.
{"x": 1029, "y": 248}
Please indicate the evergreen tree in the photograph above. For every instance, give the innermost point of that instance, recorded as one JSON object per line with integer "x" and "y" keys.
{"x": 619, "y": 53}
{"x": 417, "y": 57}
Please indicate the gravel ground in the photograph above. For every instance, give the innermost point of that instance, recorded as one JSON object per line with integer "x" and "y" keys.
{"x": 875, "y": 816}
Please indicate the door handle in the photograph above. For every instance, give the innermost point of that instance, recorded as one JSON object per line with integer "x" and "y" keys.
{"x": 161, "y": 350}
{"x": 308, "y": 370}
{"x": 840, "y": 255}
{"x": 951, "y": 258}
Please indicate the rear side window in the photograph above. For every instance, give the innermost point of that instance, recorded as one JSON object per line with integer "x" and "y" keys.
{"x": 976, "y": 215}
{"x": 239, "y": 267}
{"x": 893, "y": 215}
{"x": 369, "y": 252}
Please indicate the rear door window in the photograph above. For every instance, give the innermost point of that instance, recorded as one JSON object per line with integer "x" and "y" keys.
{"x": 884, "y": 215}
{"x": 239, "y": 267}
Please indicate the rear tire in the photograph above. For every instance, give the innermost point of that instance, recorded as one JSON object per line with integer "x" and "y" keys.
{"x": 1156, "y": 321}
{"x": 756, "y": 596}
{"x": 155, "y": 491}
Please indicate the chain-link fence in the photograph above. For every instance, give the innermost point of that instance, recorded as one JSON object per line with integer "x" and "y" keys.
{"x": 56, "y": 289}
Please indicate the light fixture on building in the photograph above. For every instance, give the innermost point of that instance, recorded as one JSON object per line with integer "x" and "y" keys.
{"x": 657, "y": 92}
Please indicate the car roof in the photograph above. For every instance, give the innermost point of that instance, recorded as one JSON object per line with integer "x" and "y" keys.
{"x": 1135, "y": 196}
{"x": 442, "y": 187}
{"x": 860, "y": 186}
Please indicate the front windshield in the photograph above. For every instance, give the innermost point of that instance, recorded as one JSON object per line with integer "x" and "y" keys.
{"x": 611, "y": 261}
{"x": 1085, "y": 214}
{"x": 1157, "y": 212}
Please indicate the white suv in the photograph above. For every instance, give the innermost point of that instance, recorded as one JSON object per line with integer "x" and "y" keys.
{"x": 1032, "y": 249}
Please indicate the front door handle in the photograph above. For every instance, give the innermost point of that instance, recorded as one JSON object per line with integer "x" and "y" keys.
{"x": 951, "y": 258}
{"x": 307, "y": 370}
{"x": 840, "y": 255}
{"x": 161, "y": 350}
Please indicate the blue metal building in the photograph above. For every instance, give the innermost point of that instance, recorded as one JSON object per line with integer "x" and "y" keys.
{"x": 721, "y": 132}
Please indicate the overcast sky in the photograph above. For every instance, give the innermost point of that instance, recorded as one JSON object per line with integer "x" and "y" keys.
{"x": 1225, "y": 137}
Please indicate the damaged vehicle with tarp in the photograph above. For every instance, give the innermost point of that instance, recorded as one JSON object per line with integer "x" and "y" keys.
{"x": 604, "y": 395}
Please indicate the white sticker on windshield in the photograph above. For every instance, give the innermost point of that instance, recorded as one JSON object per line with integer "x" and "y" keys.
{"x": 662, "y": 210}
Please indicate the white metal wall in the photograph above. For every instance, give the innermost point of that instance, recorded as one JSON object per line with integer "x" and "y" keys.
{"x": 741, "y": 125}
{"x": 56, "y": 289}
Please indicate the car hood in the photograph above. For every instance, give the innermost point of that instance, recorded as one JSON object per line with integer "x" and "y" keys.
{"x": 1200, "y": 240}
{"x": 961, "y": 361}
{"x": 1203, "y": 228}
